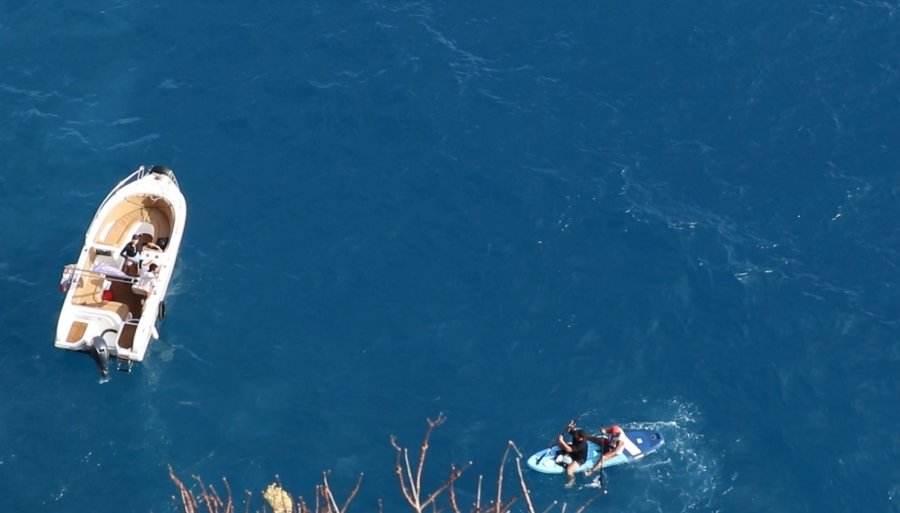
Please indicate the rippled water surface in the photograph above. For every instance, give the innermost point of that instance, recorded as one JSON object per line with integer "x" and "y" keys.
{"x": 676, "y": 217}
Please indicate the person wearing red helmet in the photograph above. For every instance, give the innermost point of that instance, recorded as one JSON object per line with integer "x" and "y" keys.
{"x": 614, "y": 446}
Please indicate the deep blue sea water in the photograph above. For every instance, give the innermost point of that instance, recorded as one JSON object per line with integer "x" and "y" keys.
{"x": 680, "y": 216}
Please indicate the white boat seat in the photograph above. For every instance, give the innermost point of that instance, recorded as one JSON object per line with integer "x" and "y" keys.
{"x": 118, "y": 232}
{"x": 145, "y": 227}
{"x": 89, "y": 290}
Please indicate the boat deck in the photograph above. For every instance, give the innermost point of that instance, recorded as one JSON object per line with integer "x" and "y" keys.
{"x": 123, "y": 294}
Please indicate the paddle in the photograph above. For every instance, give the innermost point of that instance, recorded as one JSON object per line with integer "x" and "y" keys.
{"x": 599, "y": 470}
{"x": 570, "y": 425}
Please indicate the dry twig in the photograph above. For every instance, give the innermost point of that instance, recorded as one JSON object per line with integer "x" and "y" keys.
{"x": 525, "y": 491}
{"x": 187, "y": 498}
{"x": 410, "y": 484}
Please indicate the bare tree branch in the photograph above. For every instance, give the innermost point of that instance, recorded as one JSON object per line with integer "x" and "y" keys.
{"x": 326, "y": 493}
{"x": 412, "y": 484}
{"x": 500, "y": 478}
{"x": 431, "y": 425}
{"x": 187, "y": 498}
{"x": 353, "y": 493}
{"x": 452, "y": 494}
{"x": 454, "y": 475}
{"x": 398, "y": 469}
{"x": 478, "y": 494}
{"x": 525, "y": 491}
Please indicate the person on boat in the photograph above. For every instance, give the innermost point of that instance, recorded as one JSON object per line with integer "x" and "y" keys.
{"x": 147, "y": 280}
{"x": 612, "y": 445}
{"x": 130, "y": 252}
{"x": 573, "y": 454}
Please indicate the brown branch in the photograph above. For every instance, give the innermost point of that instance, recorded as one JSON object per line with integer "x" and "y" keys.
{"x": 230, "y": 505}
{"x": 247, "y": 501}
{"x": 412, "y": 484}
{"x": 431, "y": 425}
{"x": 205, "y": 497}
{"x": 187, "y": 498}
{"x": 454, "y": 475}
{"x": 500, "y": 478}
{"x": 327, "y": 495}
{"x": 452, "y": 494}
{"x": 352, "y": 493}
{"x": 301, "y": 505}
{"x": 509, "y": 504}
{"x": 525, "y": 491}
{"x": 398, "y": 469}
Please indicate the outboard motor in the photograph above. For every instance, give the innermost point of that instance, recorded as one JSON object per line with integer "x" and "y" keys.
{"x": 100, "y": 352}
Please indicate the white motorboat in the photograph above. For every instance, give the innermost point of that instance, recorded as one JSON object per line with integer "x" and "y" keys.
{"x": 114, "y": 299}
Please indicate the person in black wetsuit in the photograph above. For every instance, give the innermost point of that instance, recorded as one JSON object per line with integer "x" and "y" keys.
{"x": 130, "y": 252}
{"x": 573, "y": 454}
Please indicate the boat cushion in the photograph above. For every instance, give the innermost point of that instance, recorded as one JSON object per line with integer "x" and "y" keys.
{"x": 121, "y": 309}
{"x": 123, "y": 226}
{"x": 89, "y": 290}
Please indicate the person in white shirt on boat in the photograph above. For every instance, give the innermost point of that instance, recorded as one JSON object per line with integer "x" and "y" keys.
{"x": 613, "y": 446}
{"x": 147, "y": 280}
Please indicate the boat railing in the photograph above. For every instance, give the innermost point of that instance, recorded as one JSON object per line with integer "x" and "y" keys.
{"x": 78, "y": 272}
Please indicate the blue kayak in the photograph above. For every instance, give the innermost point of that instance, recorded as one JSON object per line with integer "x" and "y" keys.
{"x": 638, "y": 443}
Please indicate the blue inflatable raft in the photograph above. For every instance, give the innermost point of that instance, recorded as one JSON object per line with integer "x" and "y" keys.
{"x": 638, "y": 443}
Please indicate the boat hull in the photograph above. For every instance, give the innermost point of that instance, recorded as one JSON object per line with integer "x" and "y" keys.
{"x": 107, "y": 294}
